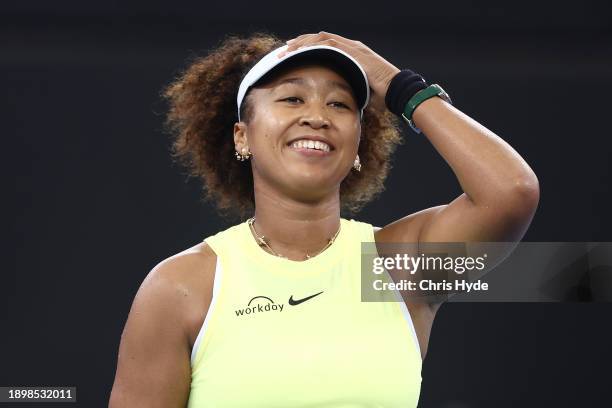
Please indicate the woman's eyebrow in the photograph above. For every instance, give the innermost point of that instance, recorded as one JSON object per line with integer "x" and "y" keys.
{"x": 302, "y": 82}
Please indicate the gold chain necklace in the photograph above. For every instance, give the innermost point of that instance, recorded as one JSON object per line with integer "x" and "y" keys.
{"x": 261, "y": 240}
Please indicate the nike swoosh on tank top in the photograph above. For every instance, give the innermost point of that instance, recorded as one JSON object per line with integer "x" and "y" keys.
{"x": 255, "y": 349}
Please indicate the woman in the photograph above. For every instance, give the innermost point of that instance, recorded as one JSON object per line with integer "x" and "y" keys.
{"x": 267, "y": 312}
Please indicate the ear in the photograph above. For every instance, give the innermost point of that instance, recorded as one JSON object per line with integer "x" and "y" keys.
{"x": 240, "y": 135}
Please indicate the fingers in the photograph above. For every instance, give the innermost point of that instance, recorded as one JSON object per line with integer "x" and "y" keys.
{"x": 299, "y": 37}
{"x": 309, "y": 39}
{"x": 322, "y": 38}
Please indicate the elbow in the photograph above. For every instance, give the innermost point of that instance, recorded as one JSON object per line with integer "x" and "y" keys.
{"x": 528, "y": 189}
{"x": 523, "y": 196}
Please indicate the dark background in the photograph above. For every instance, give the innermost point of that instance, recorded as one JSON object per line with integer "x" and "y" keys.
{"x": 98, "y": 201}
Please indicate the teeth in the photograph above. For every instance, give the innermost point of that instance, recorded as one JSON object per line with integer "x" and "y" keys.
{"x": 311, "y": 144}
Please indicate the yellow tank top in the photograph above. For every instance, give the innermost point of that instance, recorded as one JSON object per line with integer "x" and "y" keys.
{"x": 283, "y": 333}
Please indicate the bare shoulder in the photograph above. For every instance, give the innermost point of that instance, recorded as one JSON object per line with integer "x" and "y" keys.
{"x": 192, "y": 265}
{"x": 153, "y": 364}
{"x": 191, "y": 275}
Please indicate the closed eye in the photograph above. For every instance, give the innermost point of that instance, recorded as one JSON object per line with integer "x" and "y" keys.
{"x": 291, "y": 99}
{"x": 294, "y": 99}
{"x": 343, "y": 105}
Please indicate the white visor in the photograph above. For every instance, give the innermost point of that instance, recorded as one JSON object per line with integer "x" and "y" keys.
{"x": 349, "y": 67}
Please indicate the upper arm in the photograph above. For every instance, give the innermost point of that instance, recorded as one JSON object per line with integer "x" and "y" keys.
{"x": 463, "y": 221}
{"x": 153, "y": 366}
{"x": 406, "y": 229}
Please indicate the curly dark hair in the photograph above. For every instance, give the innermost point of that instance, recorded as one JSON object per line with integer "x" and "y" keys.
{"x": 202, "y": 113}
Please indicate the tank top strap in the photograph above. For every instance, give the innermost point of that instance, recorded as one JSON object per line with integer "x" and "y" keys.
{"x": 225, "y": 243}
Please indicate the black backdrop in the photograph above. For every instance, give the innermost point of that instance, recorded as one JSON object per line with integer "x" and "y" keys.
{"x": 98, "y": 201}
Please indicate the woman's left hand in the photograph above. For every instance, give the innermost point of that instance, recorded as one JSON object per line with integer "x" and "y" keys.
{"x": 379, "y": 71}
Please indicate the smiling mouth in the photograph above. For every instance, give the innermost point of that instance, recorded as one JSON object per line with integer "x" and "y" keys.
{"x": 310, "y": 145}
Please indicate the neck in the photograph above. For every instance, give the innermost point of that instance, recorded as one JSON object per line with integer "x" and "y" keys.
{"x": 293, "y": 228}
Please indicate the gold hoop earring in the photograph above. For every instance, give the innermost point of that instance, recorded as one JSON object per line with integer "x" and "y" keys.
{"x": 357, "y": 164}
{"x": 244, "y": 155}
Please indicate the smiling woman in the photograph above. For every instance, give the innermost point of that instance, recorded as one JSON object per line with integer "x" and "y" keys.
{"x": 312, "y": 125}
{"x": 203, "y": 102}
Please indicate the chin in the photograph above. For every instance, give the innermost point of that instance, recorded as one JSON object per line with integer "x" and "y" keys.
{"x": 312, "y": 183}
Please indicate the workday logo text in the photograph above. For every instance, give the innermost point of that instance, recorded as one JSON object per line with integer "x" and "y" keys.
{"x": 260, "y": 304}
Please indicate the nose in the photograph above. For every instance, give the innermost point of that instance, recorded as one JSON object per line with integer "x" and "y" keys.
{"x": 315, "y": 116}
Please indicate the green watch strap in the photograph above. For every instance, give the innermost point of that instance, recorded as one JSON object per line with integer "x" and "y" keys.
{"x": 420, "y": 97}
